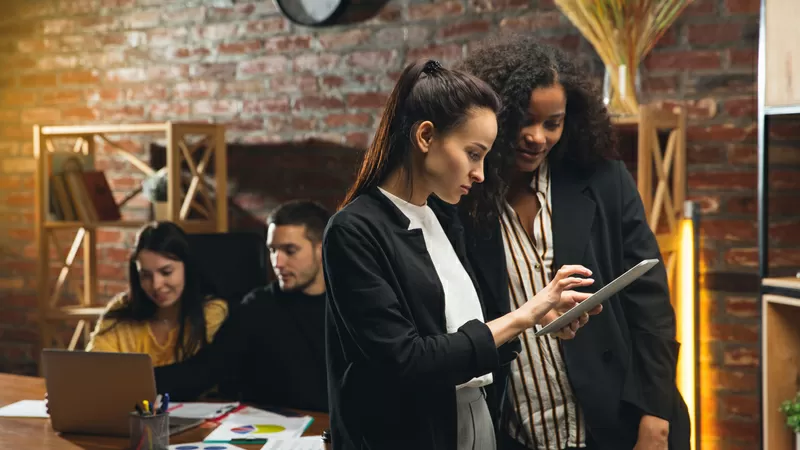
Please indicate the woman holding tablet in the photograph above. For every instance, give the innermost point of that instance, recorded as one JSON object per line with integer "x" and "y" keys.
{"x": 410, "y": 346}
{"x": 568, "y": 201}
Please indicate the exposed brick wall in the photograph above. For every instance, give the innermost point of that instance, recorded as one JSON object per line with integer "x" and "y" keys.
{"x": 239, "y": 62}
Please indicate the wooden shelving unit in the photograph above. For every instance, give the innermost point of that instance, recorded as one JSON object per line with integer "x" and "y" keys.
{"x": 664, "y": 198}
{"x": 778, "y": 95}
{"x": 780, "y": 348}
{"x": 189, "y": 146}
{"x": 661, "y": 182}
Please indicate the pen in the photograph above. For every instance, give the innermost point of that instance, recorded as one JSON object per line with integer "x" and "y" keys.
{"x": 225, "y": 409}
{"x": 157, "y": 404}
{"x": 165, "y": 403}
{"x": 139, "y": 409}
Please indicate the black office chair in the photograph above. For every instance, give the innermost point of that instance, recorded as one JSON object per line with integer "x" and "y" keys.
{"x": 236, "y": 262}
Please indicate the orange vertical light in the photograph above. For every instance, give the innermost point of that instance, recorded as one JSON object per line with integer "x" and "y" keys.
{"x": 685, "y": 312}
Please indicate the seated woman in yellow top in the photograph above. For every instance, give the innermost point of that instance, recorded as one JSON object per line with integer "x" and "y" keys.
{"x": 169, "y": 311}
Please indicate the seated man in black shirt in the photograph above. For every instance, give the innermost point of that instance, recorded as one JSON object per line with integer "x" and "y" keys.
{"x": 271, "y": 349}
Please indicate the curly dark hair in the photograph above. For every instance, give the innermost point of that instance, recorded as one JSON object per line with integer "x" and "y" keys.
{"x": 514, "y": 66}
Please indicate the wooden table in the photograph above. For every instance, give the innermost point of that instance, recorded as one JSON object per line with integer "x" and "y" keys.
{"x": 30, "y": 433}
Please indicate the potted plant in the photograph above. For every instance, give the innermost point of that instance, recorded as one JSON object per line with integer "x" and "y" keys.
{"x": 791, "y": 408}
{"x": 622, "y": 33}
{"x": 154, "y": 188}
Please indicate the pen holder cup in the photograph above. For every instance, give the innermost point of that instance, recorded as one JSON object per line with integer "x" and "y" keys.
{"x": 149, "y": 432}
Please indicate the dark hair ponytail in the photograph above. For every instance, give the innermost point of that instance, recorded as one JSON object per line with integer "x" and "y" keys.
{"x": 425, "y": 91}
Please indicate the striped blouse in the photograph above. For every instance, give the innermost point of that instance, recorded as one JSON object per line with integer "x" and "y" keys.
{"x": 545, "y": 414}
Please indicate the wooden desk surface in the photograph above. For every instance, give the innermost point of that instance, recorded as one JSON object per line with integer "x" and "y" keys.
{"x": 33, "y": 433}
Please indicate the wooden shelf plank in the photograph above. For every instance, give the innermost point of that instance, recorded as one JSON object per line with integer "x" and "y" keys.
{"x": 786, "y": 110}
{"x": 70, "y": 225}
{"x": 781, "y": 299}
{"x": 782, "y": 282}
{"x": 660, "y": 119}
{"x": 156, "y": 127}
{"x": 188, "y": 225}
{"x": 76, "y": 313}
{"x": 82, "y": 130}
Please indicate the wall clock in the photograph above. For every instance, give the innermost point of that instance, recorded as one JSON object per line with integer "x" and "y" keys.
{"x": 312, "y": 13}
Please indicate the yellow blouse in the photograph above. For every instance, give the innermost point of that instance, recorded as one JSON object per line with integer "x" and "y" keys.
{"x": 137, "y": 337}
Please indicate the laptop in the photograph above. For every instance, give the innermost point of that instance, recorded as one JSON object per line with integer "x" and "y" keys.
{"x": 95, "y": 392}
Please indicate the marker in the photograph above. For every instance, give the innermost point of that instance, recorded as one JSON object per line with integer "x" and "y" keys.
{"x": 139, "y": 409}
{"x": 225, "y": 409}
{"x": 165, "y": 403}
{"x": 157, "y": 404}
{"x": 248, "y": 441}
{"x": 146, "y": 406}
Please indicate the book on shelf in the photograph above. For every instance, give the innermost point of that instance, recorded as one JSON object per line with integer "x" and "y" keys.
{"x": 99, "y": 194}
{"x": 60, "y": 199}
{"x": 80, "y": 197}
{"x": 78, "y": 192}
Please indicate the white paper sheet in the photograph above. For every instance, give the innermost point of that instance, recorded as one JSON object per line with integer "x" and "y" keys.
{"x": 239, "y": 427}
{"x": 204, "y": 446}
{"x": 25, "y": 408}
{"x": 257, "y": 413}
{"x": 302, "y": 443}
{"x": 198, "y": 410}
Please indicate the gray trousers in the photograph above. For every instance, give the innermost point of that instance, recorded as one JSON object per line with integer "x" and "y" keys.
{"x": 475, "y": 430}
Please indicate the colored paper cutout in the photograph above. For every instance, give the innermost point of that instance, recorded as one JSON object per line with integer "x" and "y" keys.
{"x": 260, "y": 429}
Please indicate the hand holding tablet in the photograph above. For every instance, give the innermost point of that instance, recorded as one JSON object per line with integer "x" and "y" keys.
{"x": 569, "y": 300}
{"x": 598, "y": 297}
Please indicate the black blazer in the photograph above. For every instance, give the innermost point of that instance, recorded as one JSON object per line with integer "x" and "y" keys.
{"x": 622, "y": 364}
{"x": 392, "y": 367}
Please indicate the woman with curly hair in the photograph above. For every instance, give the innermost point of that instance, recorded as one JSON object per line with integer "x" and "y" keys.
{"x": 563, "y": 198}
{"x": 410, "y": 348}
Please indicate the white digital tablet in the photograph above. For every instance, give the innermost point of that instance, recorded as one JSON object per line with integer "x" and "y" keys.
{"x": 598, "y": 297}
